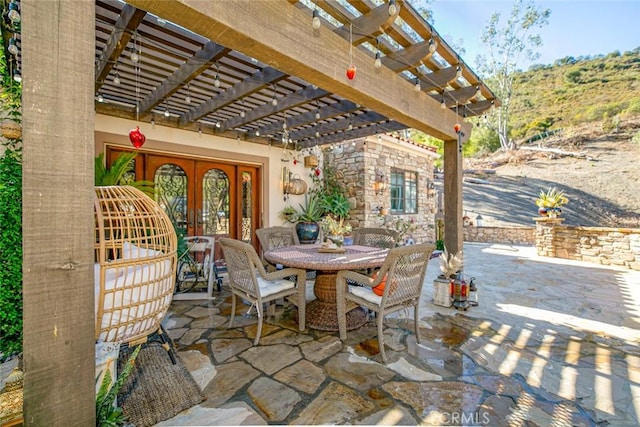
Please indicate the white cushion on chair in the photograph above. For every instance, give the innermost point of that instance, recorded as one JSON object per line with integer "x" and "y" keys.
{"x": 270, "y": 287}
{"x": 131, "y": 251}
{"x": 365, "y": 292}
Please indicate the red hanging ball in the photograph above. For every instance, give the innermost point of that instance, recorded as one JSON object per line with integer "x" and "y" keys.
{"x": 457, "y": 127}
{"x": 295, "y": 161}
{"x": 136, "y": 137}
{"x": 351, "y": 72}
{"x": 317, "y": 171}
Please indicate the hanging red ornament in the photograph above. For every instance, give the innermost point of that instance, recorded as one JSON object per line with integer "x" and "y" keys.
{"x": 317, "y": 171}
{"x": 457, "y": 127}
{"x": 351, "y": 72}
{"x": 136, "y": 137}
{"x": 295, "y": 161}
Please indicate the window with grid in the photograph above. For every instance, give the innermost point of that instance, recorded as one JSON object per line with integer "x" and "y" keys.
{"x": 404, "y": 191}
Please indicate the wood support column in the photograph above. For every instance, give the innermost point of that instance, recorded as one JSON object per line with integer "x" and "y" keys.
{"x": 58, "y": 222}
{"x": 452, "y": 196}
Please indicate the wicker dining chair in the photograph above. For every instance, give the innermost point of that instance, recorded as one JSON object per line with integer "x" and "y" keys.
{"x": 276, "y": 237}
{"x": 250, "y": 281}
{"x": 402, "y": 276}
{"x": 376, "y": 237}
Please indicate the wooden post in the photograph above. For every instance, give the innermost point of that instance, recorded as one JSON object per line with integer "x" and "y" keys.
{"x": 58, "y": 223}
{"x": 452, "y": 197}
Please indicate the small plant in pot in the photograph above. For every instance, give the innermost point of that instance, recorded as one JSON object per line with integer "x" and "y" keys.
{"x": 550, "y": 202}
{"x": 306, "y": 219}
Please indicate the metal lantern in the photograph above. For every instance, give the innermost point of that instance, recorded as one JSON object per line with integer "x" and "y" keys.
{"x": 460, "y": 294}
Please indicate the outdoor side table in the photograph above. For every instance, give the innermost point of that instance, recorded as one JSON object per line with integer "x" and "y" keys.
{"x": 321, "y": 313}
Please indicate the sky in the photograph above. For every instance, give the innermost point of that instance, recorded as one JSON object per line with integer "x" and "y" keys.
{"x": 576, "y": 27}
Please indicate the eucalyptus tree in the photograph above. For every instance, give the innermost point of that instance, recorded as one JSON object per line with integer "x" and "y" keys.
{"x": 506, "y": 44}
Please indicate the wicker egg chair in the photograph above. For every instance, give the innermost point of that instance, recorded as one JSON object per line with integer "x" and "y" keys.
{"x": 135, "y": 264}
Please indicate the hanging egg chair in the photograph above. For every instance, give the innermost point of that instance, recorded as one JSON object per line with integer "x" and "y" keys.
{"x": 135, "y": 264}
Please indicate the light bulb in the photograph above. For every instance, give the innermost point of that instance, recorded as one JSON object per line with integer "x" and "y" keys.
{"x": 218, "y": 125}
{"x": 274, "y": 101}
{"x": 242, "y": 114}
{"x": 116, "y": 78}
{"x": 284, "y": 125}
{"x": 416, "y": 86}
{"x": 153, "y": 122}
{"x": 315, "y": 22}
{"x": 216, "y": 81}
{"x": 166, "y": 113}
{"x": 458, "y": 72}
{"x": 13, "y": 47}
{"x": 187, "y": 99}
{"x": 317, "y": 115}
{"x": 378, "y": 62}
{"x": 350, "y": 127}
{"x": 393, "y": 9}
{"x": 317, "y": 134}
{"x": 134, "y": 57}
{"x": 432, "y": 45}
{"x": 200, "y": 129}
{"x": 257, "y": 133}
{"x": 13, "y": 14}
{"x": 443, "y": 104}
{"x": 100, "y": 98}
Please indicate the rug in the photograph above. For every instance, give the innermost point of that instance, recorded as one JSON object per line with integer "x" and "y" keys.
{"x": 157, "y": 389}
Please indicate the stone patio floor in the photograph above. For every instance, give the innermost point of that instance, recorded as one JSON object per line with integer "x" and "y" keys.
{"x": 551, "y": 343}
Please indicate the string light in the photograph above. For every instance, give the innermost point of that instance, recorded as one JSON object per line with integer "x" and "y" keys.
{"x": 443, "y": 105}
{"x": 153, "y": 120}
{"x": 416, "y": 86}
{"x": 200, "y": 129}
{"x": 218, "y": 125}
{"x": 166, "y": 109}
{"x": 187, "y": 98}
{"x": 393, "y": 8}
{"x": 378, "y": 61}
{"x": 432, "y": 45}
{"x": 13, "y": 14}
{"x": 116, "y": 77}
{"x": 458, "y": 72}
{"x": 13, "y": 47}
{"x": 315, "y": 21}
{"x": 216, "y": 80}
{"x": 100, "y": 97}
{"x": 257, "y": 133}
{"x": 274, "y": 101}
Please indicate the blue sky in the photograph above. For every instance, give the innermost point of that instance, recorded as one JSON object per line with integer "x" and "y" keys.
{"x": 576, "y": 27}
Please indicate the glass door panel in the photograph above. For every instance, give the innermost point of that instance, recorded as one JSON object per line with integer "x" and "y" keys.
{"x": 214, "y": 217}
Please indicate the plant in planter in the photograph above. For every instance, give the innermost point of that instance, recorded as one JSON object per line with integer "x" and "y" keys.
{"x": 444, "y": 286}
{"x": 306, "y": 219}
{"x": 550, "y": 202}
{"x": 116, "y": 174}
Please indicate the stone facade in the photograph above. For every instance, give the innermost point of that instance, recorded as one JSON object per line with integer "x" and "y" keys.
{"x": 600, "y": 245}
{"x": 360, "y": 160}
{"x": 509, "y": 235}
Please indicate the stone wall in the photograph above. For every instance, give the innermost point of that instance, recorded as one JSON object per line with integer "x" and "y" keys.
{"x": 360, "y": 160}
{"x": 600, "y": 245}
{"x": 510, "y": 235}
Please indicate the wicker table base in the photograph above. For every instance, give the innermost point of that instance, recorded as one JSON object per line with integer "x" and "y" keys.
{"x": 322, "y": 312}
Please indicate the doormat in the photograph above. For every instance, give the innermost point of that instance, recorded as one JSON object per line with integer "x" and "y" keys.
{"x": 156, "y": 389}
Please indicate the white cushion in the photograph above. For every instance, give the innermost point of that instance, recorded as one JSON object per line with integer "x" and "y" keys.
{"x": 131, "y": 251}
{"x": 365, "y": 292}
{"x": 131, "y": 295}
{"x": 110, "y": 273}
{"x": 270, "y": 287}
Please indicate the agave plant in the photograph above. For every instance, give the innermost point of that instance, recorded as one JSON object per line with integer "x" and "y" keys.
{"x": 116, "y": 174}
{"x": 552, "y": 198}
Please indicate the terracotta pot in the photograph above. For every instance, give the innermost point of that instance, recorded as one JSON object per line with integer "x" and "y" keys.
{"x": 542, "y": 211}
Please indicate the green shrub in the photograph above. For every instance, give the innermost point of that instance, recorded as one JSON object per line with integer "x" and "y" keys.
{"x": 636, "y": 138}
{"x": 10, "y": 253}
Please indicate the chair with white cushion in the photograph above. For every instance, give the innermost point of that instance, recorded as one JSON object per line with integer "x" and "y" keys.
{"x": 249, "y": 281}
{"x": 276, "y": 237}
{"x": 401, "y": 277}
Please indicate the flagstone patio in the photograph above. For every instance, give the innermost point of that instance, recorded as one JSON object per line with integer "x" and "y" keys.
{"x": 552, "y": 342}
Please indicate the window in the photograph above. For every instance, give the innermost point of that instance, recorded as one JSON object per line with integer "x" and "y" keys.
{"x": 404, "y": 192}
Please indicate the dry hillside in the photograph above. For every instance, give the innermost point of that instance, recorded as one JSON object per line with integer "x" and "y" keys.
{"x": 601, "y": 180}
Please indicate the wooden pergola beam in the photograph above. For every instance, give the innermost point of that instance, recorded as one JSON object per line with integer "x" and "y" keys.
{"x": 297, "y": 98}
{"x": 390, "y": 126}
{"x": 249, "y": 85}
{"x": 129, "y": 20}
{"x": 200, "y": 61}
{"x": 355, "y": 120}
{"x": 367, "y": 26}
{"x": 409, "y": 57}
{"x": 278, "y": 34}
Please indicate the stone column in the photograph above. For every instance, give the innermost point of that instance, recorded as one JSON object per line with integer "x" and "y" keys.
{"x": 546, "y": 235}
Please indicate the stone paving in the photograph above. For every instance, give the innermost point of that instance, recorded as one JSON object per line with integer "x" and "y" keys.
{"x": 551, "y": 343}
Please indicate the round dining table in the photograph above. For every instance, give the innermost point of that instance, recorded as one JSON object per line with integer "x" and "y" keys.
{"x": 321, "y": 313}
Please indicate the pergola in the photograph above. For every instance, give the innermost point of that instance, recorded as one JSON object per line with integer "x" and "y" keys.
{"x": 234, "y": 68}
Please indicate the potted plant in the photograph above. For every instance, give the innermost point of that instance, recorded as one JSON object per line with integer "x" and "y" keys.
{"x": 306, "y": 219}
{"x": 444, "y": 284}
{"x": 335, "y": 230}
{"x": 550, "y": 202}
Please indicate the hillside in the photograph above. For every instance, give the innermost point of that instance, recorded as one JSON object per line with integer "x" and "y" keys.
{"x": 601, "y": 185}
{"x": 575, "y": 91}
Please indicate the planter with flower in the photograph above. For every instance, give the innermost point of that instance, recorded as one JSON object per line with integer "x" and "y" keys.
{"x": 335, "y": 230}
{"x": 550, "y": 202}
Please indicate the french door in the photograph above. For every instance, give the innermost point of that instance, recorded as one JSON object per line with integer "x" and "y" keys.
{"x": 203, "y": 197}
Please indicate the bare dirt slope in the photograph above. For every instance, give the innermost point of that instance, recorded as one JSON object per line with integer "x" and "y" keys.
{"x": 603, "y": 184}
